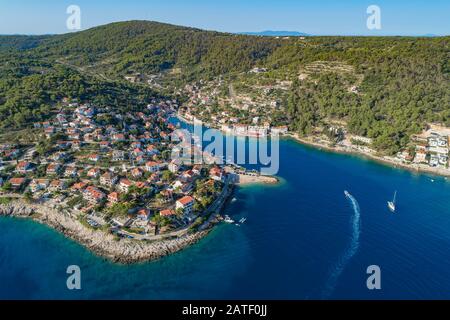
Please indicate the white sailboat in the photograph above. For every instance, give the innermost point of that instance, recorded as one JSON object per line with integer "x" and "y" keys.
{"x": 391, "y": 204}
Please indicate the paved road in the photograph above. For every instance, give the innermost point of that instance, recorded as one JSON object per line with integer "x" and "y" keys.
{"x": 180, "y": 232}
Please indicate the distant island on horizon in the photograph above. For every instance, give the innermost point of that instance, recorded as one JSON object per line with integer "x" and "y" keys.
{"x": 274, "y": 33}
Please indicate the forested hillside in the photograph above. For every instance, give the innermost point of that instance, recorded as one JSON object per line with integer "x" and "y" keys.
{"x": 30, "y": 90}
{"x": 149, "y": 47}
{"x": 20, "y": 42}
{"x": 402, "y": 84}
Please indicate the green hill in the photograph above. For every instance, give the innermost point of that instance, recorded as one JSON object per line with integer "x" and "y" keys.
{"x": 148, "y": 47}
{"x": 403, "y": 82}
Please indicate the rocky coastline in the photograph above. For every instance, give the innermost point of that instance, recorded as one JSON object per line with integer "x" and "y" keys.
{"x": 388, "y": 161}
{"x": 124, "y": 251}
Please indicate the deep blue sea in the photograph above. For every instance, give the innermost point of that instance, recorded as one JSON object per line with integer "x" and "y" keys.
{"x": 303, "y": 239}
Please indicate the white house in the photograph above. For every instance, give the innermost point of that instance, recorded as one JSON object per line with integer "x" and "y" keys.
{"x": 174, "y": 166}
{"x": 186, "y": 204}
{"x": 124, "y": 185}
{"x": 152, "y": 166}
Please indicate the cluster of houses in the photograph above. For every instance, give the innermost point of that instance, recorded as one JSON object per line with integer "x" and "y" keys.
{"x": 9, "y": 152}
{"x": 134, "y": 78}
{"x": 217, "y": 104}
{"x": 101, "y": 158}
{"x": 202, "y": 93}
{"x": 432, "y": 150}
{"x": 238, "y": 129}
{"x": 254, "y": 130}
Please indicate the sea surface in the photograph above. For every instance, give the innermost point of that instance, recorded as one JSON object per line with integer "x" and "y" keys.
{"x": 303, "y": 239}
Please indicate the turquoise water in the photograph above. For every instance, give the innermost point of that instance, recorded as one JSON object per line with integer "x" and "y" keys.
{"x": 294, "y": 245}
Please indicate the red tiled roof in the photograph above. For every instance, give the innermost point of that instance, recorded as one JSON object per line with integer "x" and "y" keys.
{"x": 167, "y": 212}
{"x": 140, "y": 185}
{"x": 79, "y": 185}
{"x": 23, "y": 164}
{"x": 126, "y": 182}
{"x": 114, "y": 196}
{"x": 185, "y": 200}
{"x": 96, "y": 193}
{"x": 55, "y": 183}
{"x": 17, "y": 181}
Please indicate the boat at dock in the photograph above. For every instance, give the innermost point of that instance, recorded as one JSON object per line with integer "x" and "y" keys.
{"x": 227, "y": 219}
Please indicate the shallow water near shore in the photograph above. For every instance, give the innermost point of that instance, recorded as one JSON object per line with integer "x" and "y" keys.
{"x": 294, "y": 235}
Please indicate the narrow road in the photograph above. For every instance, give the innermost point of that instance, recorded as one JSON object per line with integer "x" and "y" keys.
{"x": 181, "y": 232}
{"x": 232, "y": 92}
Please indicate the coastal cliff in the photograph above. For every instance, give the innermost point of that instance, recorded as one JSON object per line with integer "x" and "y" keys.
{"x": 104, "y": 244}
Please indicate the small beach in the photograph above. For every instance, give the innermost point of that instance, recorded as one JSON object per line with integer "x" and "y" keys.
{"x": 389, "y": 161}
{"x": 244, "y": 179}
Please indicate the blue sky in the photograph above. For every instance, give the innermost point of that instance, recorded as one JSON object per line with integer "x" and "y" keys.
{"x": 318, "y": 17}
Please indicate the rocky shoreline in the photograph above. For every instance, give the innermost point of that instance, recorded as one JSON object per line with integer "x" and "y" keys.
{"x": 338, "y": 149}
{"x": 380, "y": 159}
{"x": 125, "y": 251}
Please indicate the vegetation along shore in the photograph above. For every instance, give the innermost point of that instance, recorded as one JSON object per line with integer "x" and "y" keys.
{"x": 85, "y": 136}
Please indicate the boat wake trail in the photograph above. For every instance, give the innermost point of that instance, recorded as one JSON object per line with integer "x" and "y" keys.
{"x": 348, "y": 253}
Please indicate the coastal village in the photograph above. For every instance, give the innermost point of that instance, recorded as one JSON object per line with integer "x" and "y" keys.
{"x": 430, "y": 148}
{"x": 101, "y": 174}
{"x": 427, "y": 152}
{"x": 113, "y": 172}
{"x": 216, "y": 104}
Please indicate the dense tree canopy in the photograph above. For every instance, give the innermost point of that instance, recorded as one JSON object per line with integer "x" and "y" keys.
{"x": 29, "y": 92}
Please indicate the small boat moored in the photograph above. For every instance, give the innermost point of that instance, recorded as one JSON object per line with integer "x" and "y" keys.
{"x": 228, "y": 219}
